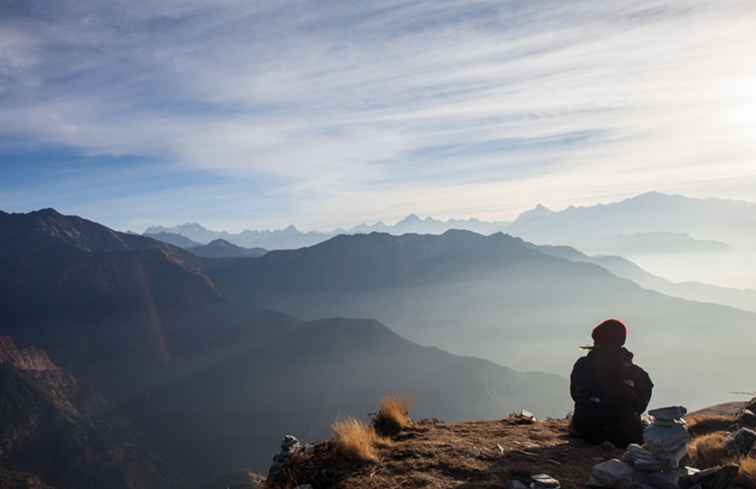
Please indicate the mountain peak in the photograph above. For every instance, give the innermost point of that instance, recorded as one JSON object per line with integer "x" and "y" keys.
{"x": 410, "y": 219}
{"x": 48, "y": 211}
{"x": 537, "y": 212}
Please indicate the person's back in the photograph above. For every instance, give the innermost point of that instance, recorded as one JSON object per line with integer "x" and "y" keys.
{"x": 609, "y": 390}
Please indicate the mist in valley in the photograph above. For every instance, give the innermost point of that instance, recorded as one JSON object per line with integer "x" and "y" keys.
{"x": 225, "y": 222}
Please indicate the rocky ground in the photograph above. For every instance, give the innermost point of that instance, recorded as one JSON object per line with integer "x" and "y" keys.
{"x": 474, "y": 455}
{"x": 471, "y": 455}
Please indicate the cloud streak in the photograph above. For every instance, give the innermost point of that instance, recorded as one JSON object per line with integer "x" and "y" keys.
{"x": 347, "y": 111}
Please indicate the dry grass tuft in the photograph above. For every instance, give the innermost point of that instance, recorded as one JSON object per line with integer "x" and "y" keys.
{"x": 392, "y": 417}
{"x": 747, "y": 475}
{"x": 708, "y": 450}
{"x": 704, "y": 425}
{"x": 356, "y": 441}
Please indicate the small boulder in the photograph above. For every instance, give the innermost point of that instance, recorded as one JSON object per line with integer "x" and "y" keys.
{"x": 613, "y": 473}
{"x": 751, "y": 405}
{"x": 740, "y": 442}
{"x": 747, "y": 419}
{"x": 522, "y": 417}
{"x": 290, "y": 445}
{"x": 713, "y": 478}
{"x": 668, "y": 413}
{"x": 544, "y": 481}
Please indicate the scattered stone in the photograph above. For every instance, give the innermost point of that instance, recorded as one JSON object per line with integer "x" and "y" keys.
{"x": 751, "y": 405}
{"x": 653, "y": 465}
{"x": 667, "y": 436}
{"x": 741, "y": 442}
{"x": 747, "y": 419}
{"x": 713, "y": 478}
{"x": 613, "y": 473}
{"x": 668, "y": 413}
{"x": 688, "y": 472}
{"x": 522, "y": 417}
{"x": 544, "y": 481}
{"x": 658, "y": 480}
{"x": 290, "y": 445}
{"x": 644, "y": 460}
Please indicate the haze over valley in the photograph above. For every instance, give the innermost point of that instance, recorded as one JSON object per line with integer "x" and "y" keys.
{"x": 447, "y": 244}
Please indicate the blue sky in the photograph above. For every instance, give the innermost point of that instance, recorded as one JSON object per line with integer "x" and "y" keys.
{"x": 325, "y": 113}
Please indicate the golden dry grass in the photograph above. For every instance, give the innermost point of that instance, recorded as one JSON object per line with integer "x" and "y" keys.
{"x": 392, "y": 417}
{"x": 747, "y": 475}
{"x": 708, "y": 450}
{"x": 356, "y": 441}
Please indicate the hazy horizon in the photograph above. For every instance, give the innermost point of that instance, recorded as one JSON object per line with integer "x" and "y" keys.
{"x": 326, "y": 114}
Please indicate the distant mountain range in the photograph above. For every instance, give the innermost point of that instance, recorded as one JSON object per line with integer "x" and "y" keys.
{"x": 291, "y": 237}
{"x": 212, "y": 381}
{"x": 598, "y": 227}
{"x": 649, "y": 223}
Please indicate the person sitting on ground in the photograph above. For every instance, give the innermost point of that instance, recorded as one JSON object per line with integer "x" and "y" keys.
{"x": 609, "y": 390}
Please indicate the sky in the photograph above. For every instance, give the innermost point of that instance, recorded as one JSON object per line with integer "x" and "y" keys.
{"x": 254, "y": 114}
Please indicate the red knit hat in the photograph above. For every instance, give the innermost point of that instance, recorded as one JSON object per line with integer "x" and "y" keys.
{"x": 611, "y": 332}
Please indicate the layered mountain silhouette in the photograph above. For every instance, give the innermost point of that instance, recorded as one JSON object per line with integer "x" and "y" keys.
{"x": 695, "y": 291}
{"x": 174, "y": 239}
{"x": 287, "y": 238}
{"x": 652, "y": 222}
{"x": 213, "y": 378}
{"x": 663, "y": 242}
{"x": 500, "y": 298}
{"x": 598, "y": 227}
{"x": 220, "y": 248}
{"x": 291, "y": 237}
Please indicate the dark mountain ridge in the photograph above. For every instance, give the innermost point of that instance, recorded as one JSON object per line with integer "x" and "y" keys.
{"x": 54, "y": 428}
{"x": 215, "y": 381}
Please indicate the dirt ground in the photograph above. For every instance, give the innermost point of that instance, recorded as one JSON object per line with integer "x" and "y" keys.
{"x": 470, "y": 455}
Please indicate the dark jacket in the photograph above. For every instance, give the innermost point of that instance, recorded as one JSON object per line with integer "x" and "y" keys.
{"x": 610, "y": 394}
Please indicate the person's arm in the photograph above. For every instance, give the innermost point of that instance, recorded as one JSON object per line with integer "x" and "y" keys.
{"x": 581, "y": 381}
{"x": 643, "y": 388}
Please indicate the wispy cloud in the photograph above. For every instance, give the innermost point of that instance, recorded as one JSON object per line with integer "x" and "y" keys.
{"x": 343, "y": 111}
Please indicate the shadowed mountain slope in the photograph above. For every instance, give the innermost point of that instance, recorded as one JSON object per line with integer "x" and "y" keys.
{"x": 99, "y": 301}
{"x": 53, "y": 428}
{"x": 214, "y": 381}
{"x": 317, "y": 373}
